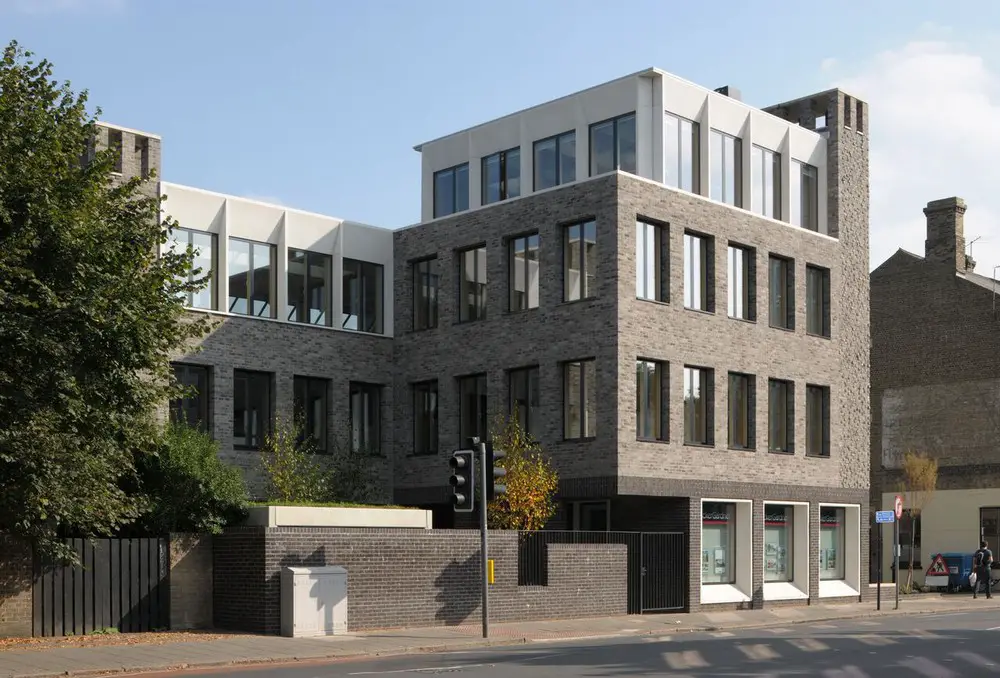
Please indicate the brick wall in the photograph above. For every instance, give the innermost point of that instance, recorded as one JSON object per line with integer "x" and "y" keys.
{"x": 190, "y": 581}
{"x": 15, "y": 587}
{"x": 406, "y": 578}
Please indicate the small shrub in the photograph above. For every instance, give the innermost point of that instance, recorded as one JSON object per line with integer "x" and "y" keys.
{"x": 290, "y": 467}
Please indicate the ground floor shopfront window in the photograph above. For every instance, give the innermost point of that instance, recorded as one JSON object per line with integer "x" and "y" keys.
{"x": 779, "y": 521}
{"x": 832, "y": 535}
{"x": 839, "y": 557}
{"x": 726, "y": 551}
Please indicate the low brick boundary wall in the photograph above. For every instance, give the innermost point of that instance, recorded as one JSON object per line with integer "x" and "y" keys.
{"x": 16, "y": 574}
{"x": 399, "y": 578}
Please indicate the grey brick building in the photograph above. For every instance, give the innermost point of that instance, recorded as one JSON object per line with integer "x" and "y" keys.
{"x": 675, "y": 286}
{"x": 934, "y": 384}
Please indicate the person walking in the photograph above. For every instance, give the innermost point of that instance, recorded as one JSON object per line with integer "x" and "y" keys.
{"x": 982, "y": 565}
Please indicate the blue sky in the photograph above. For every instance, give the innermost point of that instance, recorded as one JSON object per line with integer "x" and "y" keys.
{"x": 318, "y": 103}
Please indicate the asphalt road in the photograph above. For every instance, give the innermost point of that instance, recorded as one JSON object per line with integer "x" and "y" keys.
{"x": 926, "y": 646}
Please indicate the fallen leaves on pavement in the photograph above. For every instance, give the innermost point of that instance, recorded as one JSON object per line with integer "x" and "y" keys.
{"x": 113, "y": 639}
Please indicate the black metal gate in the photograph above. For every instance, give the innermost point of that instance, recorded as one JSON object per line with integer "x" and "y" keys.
{"x": 118, "y": 583}
{"x": 657, "y": 564}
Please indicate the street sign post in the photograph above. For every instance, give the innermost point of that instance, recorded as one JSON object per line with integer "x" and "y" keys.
{"x": 898, "y": 511}
{"x": 881, "y": 517}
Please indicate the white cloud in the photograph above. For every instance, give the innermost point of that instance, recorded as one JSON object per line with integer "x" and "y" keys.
{"x": 934, "y": 105}
{"x": 41, "y": 7}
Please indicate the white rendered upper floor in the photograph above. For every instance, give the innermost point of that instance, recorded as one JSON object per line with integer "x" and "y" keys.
{"x": 276, "y": 263}
{"x": 652, "y": 124}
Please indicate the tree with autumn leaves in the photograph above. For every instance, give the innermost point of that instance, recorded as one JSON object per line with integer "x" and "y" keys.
{"x": 531, "y": 480}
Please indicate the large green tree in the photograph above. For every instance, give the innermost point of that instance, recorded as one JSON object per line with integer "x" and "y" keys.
{"x": 89, "y": 315}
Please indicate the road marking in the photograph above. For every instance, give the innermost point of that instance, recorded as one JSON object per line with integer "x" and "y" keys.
{"x": 846, "y": 672}
{"x": 868, "y": 623}
{"x": 459, "y": 667}
{"x": 759, "y": 652}
{"x": 688, "y": 659}
{"x": 922, "y": 633}
{"x": 722, "y": 634}
{"x": 823, "y": 626}
{"x": 995, "y": 628}
{"x": 777, "y": 630}
{"x": 927, "y": 667}
{"x": 872, "y": 639}
{"x": 978, "y": 660}
{"x": 809, "y": 644}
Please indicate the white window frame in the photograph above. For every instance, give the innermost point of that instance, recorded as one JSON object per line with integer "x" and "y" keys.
{"x": 850, "y": 585}
{"x": 742, "y": 590}
{"x": 798, "y": 587}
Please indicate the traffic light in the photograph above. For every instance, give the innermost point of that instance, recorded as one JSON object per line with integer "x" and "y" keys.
{"x": 493, "y": 472}
{"x": 463, "y": 480}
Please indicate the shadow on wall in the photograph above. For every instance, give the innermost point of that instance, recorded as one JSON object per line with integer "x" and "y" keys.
{"x": 457, "y": 591}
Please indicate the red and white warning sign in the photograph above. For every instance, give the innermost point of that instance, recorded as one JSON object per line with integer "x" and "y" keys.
{"x": 937, "y": 573}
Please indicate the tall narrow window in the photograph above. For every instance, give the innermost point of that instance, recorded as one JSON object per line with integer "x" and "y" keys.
{"x": 425, "y": 294}
{"x": 818, "y": 301}
{"x": 781, "y": 415}
{"x": 524, "y": 398}
{"x": 580, "y": 399}
{"x": 193, "y": 407}
{"x": 718, "y": 543}
{"x": 366, "y": 418}
{"x": 501, "y": 176}
{"x": 116, "y": 145}
{"x": 251, "y": 408}
{"x": 472, "y": 284}
{"x": 555, "y": 161}
{"x": 311, "y": 398}
{"x": 203, "y": 265}
{"x": 425, "y": 418}
{"x": 781, "y": 281}
{"x": 649, "y": 390}
{"x": 681, "y": 150}
{"x": 698, "y": 418}
{"x": 363, "y": 296}
{"x": 251, "y": 278}
{"x": 612, "y": 145}
{"x": 473, "y": 404}
{"x": 309, "y": 294}
{"x": 742, "y": 283}
{"x": 580, "y": 261}
{"x": 648, "y": 262}
{"x": 697, "y": 272}
{"x": 832, "y": 543}
{"x": 741, "y": 411}
{"x": 765, "y": 180}
{"x": 818, "y": 420}
{"x": 725, "y": 168}
{"x": 451, "y": 190}
{"x": 804, "y": 196}
{"x": 524, "y": 269}
{"x": 779, "y": 523}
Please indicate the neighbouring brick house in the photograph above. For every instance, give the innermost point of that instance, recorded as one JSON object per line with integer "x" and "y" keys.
{"x": 935, "y": 387}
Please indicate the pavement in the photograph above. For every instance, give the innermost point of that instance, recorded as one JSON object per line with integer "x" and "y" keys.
{"x": 241, "y": 650}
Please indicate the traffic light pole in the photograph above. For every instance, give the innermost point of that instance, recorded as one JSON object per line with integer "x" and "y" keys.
{"x": 481, "y": 448}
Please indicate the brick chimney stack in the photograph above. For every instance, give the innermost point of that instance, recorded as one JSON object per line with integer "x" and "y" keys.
{"x": 945, "y": 242}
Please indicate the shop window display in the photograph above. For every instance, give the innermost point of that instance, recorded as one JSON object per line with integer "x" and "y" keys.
{"x": 718, "y": 543}
{"x": 778, "y": 553}
{"x": 831, "y": 543}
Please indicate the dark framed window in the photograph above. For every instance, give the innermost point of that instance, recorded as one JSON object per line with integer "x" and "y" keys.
{"x": 203, "y": 266}
{"x": 580, "y": 399}
{"x": 781, "y": 416}
{"x": 817, "y": 301}
{"x": 699, "y": 416}
{"x": 252, "y": 278}
{"x": 309, "y": 287}
{"x": 742, "y": 405}
{"x": 742, "y": 283}
{"x": 473, "y": 402}
{"x": 252, "y": 408}
{"x": 555, "y": 161}
{"x": 193, "y": 408}
{"x": 451, "y": 190}
{"x": 425, "y": 294}
{"x": 524, "y": 397}
{"x": 501, "y": 176}
{"x": 781, "y": 284}
{"x": 363, "y": 296}
{"x": 425, "y": 417}
{"x": 765, "y": 182}
{"x": 472, "y": 284}
{"x": 699, "y": 272}
{"x": 651, "y": 391}
{"x": 681, "y": 153}
{"x": 580, "y": 261}
{"x": 312, "y": 408}
{"x": 818, "y": 420}
{"x": 524, "y": 272}
{"x": 612, "y": 145}
{"x": 804, "y": 196}
{"x": 650, "y": 276}
{"x": 726, "y": 168}
{"x": 909, "y": 529}
{"x": 366, "y": 417}
{"x": 989, "y": 526}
